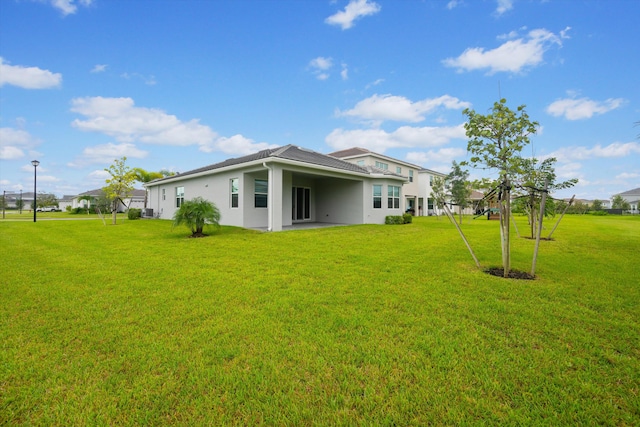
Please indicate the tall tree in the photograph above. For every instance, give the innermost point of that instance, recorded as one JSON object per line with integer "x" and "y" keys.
{"x": 597, "y": 205}
{"x": 144, "y": 176}
{"x": 495, "y": 142}
{"x": 119, "y": 185}
{"x": 459, "y": 187}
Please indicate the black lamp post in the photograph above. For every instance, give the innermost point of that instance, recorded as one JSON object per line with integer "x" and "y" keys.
{"x": 35, "y": 164}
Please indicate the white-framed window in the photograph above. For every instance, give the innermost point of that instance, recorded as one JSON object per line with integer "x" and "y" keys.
{"x": 179, "y": 196}
{"x": 410, "y": 175}
{"x": 381, "y": 165}
{"x": 393, "y": 197}
{"x": 261, "y": 193}
{"x": 235, "y": 192}
{"x": 377, "y": 196}
{"x": 164, "y": 194}
{"x": 398, "y": 170}
{"x": 360, "y": 162}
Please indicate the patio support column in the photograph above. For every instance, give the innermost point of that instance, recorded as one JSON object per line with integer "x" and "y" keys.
{"x": 274, "y": 198}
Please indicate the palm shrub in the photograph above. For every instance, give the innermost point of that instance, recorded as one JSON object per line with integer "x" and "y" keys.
{"x": 195, "y": 214}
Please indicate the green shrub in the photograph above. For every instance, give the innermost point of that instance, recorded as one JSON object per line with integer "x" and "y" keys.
{"x": 134, "y": 213}
{"x": 76, "y": 211}
{"x": 393, "y": 219}
{"x": 599, "y": 213}
{"x": 407, "y": 218}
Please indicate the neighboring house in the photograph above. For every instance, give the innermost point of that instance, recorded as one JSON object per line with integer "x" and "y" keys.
{"x": 632, "y": 197}
{"x": 136, "y": 200}
{"x": 66, "y": 201}
{"x": 11, "y": 199}
{"x": 284, "y": 186}
{"x": 417, "y": 190}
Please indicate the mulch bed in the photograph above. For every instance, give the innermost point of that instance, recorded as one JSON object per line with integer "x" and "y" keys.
{"x": 513, "y": 274}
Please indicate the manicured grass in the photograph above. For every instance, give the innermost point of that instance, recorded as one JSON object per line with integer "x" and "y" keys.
{"x": 365, "y": 325}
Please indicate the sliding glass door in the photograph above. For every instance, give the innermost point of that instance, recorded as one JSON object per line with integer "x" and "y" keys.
{"x": 301, "y": 205}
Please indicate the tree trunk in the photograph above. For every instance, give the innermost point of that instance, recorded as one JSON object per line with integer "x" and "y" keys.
{"x": 505, "y": 210}
{"x": 114, "y": 212}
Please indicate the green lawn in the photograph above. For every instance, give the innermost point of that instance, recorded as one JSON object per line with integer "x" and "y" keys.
{"x": 135, "y": 324}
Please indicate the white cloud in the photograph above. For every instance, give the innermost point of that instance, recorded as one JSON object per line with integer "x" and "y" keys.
{"x": 345, "y": 72}
{"x": 442, "y": 156}
{"x": 28, "y": 77}
{"x": 378, "y": 108}
{"x": 122, "y": 120}
{"x": 69, "y": 7}
{"x": 99, "y": 68}
{"x": 106, "y": 153}
{"x": 614, "y": 150}
{"x": 628, "y": 175}
{"x": 99, "y": 174}
{"x": 13, "y": 142}
{"x": 356, "y": 9}
{"x": 513, "y": 56}
{"x": 453, "y": 4}
{"x": 148, "y": 80}
{"x": 503, "y": 6}
{"x": 320, "y": 67}
{"x": 375, "y": 83}
{"x": 237, "y": 144}
{"x": 582, "y": 108}
{"x": 379, "y": 140}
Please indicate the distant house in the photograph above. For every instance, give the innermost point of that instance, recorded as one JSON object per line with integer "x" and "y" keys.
{"x": 66, "y": 201}
{"x": 632, "y": 197}
{"x": 284, "y": 186}
{"x": 12, "y": 199}
{"x": 417, "y": 190}
{"x": 136, "y": 200}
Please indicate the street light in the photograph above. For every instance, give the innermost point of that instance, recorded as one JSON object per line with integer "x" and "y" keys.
{"x": 35, "y": 164}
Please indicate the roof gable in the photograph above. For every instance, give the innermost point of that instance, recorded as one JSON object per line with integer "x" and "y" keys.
{"x": 355, "y": 152}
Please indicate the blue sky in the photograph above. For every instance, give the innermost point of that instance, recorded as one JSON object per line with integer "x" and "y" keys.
{"x": 182, "y": 84}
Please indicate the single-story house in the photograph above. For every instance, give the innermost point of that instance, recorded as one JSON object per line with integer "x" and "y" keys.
{"x": 135, "y": 200}
{"x": 12, "y": 199}
{"x": 280, "y": 187}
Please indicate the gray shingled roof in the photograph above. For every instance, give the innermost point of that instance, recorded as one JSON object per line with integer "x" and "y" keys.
{"x": 633, "y": 192}
{"x": 287, "y": 152}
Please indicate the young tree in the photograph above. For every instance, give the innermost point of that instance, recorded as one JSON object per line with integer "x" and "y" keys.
{"x": 20, "y": 204}
{"x": 120, "y": 185}
{"x": 531, "y": 182}
{"x": 495, "y": 142}
{"x": 459, "y": 187}
{"x": 597, "y": 205}
{"x": 438, "y": 192}
{"x": 195, "y": 214}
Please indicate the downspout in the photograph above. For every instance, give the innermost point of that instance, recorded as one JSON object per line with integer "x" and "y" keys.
{"x": 269, "y": 196}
